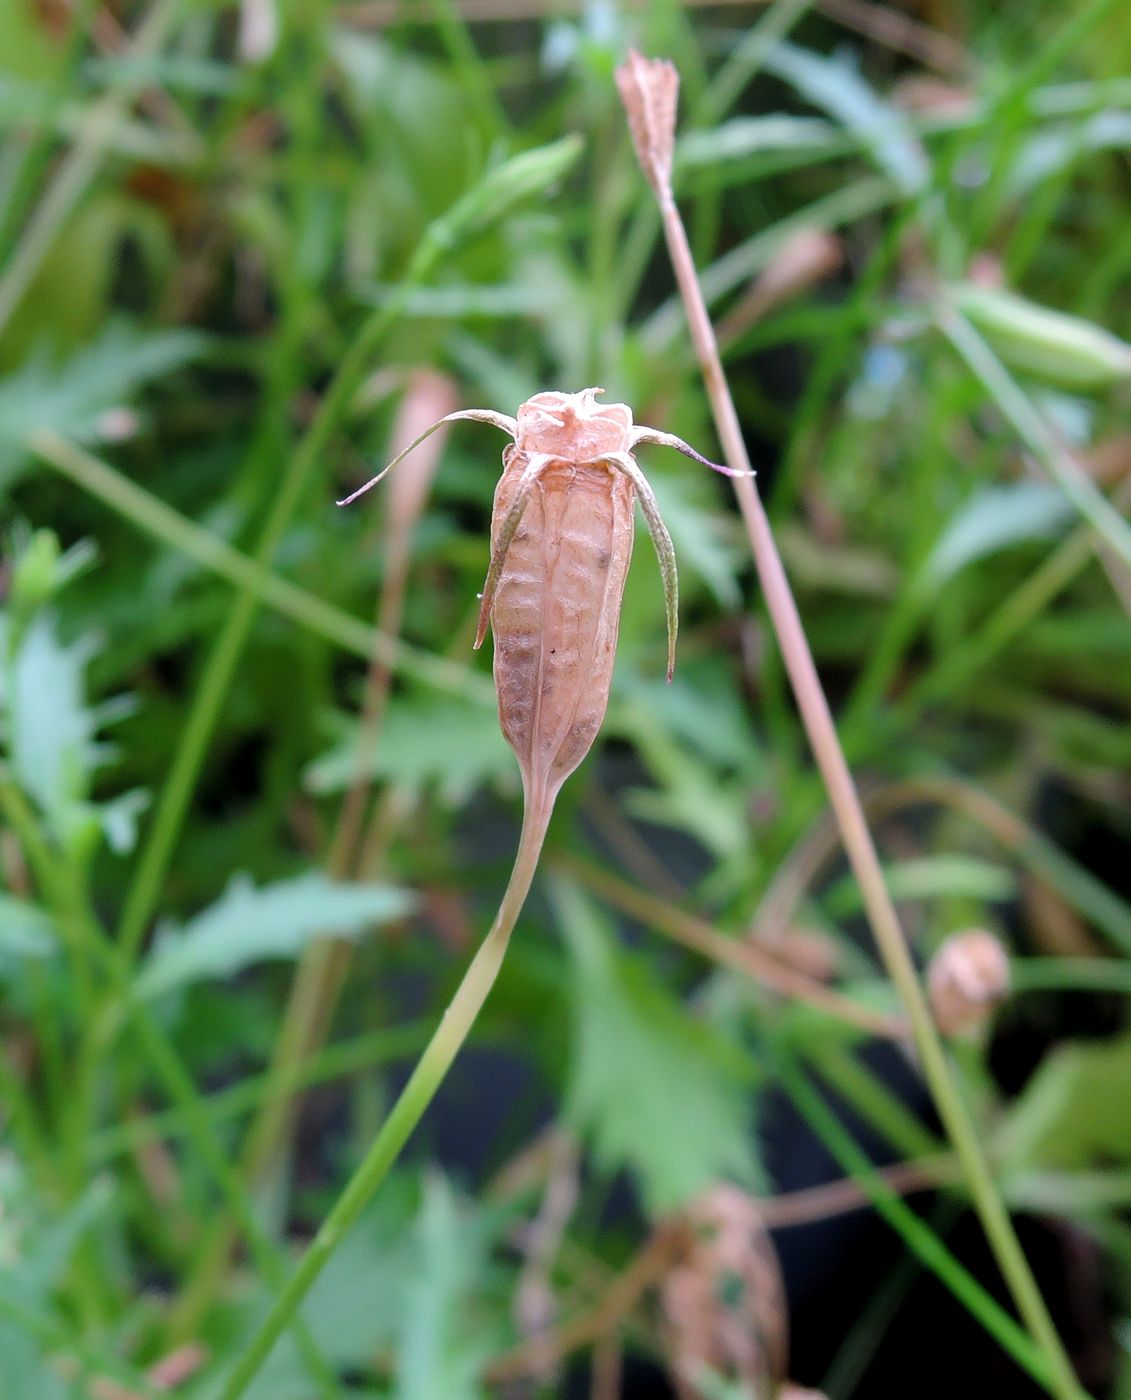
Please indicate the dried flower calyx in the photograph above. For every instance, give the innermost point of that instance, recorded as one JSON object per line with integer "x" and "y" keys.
{"x": 561, "y": 539}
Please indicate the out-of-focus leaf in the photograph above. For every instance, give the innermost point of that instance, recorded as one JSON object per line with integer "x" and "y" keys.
{"x": 170, "y": 72}
{"x": 688, "y": 796}
{"x": 1039, "y": 340}
{"x": 1055, "y": 147}
{"x": 994, "y": 518}
{"x": 835, "y": 84}
{"x": 930, "y": 877}
{"x": 248, "y": 925}
{"x": 750, "y": 136}
{"x": 357, "y": 1305}
{"x": 701, "y": 538}
{"x": 50, "y": 730}
{"x": 426, "y": 742}
{"x": 33, "y": 1254}
{"x": 698, "y": 707}
{"x": 443, "y": 1344}
{"x": 26, "y": 931}
{"x": 655, "y": 1089}
{"x": 455, "y": 301}
{"x": 1070, "y": 1114}
{"x": 73, "y": 396}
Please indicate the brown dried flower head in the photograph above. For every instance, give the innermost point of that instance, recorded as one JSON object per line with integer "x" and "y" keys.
{"x": 967, "y": 979}
{"x": 724, "y": 1303}
{"x": 561, "y": 539}
{"x": 649, "y": 91}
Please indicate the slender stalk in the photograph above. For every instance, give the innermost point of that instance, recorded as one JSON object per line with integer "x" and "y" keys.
{"x": 918, "y": 1236}
{"x": 163, "y": 523}
{"x": 409, "y": 1108}
{"x": 743, "y": 955}
{"x": 1036, "y": 433}
{"x": 819, "y": 727}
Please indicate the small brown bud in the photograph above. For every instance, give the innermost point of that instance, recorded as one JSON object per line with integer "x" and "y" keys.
{"x": 967, "y": 979}
{"x": 649, "y": 91}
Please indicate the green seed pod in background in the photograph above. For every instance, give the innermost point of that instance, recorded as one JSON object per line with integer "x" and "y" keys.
{"x": 1064, "y": 349}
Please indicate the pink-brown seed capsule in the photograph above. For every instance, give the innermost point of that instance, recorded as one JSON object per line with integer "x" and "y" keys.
{"x": 556, "y": 607}
{"x": 561, "y": 541}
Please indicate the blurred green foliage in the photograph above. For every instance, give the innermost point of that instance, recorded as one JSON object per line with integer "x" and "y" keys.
{"x": 230, "y": 239}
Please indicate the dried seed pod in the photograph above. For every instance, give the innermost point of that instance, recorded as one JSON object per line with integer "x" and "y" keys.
{"x": 967, "y": 979}
{"x": 724, "y": 1302}
{"x": 561, "y": 540}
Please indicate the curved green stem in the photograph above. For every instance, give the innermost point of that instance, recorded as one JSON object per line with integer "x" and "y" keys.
{"x": 409, "y": 1108}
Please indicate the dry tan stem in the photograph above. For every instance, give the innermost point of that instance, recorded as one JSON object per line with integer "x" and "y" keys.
{"x": 535, "y": 1306}
{"x": 608, "y": 1358}
{"x": 779, "y": 904}
{"x": 814, "y": 1203}
{"x": 745, "y": 957}
{"x": 622, "y": 1295}
{"x": 843, "y": 797}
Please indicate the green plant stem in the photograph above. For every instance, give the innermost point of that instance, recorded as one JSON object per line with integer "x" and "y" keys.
{"x": 216, "y": 678}
{"x": 164, "y": 523}
{"x": 855, "y": 834}
{"x": 336, "y": 1061}
{"x": 93, "y": 1360}
{"x": 919, "y": 1237}
{"x": 869, "y": 1096}
{"x": 409, "y": 1108}
{"x": 1035, "y": 432}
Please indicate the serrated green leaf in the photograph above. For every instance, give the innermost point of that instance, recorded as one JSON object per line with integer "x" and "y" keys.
{"x": 72, "y": 395}
{"x": 50, "y": 730}
{"x": 426, "y": 742}
{"x": 26, "y": 931}
{"x": 837, "y": 86}
{"x": 930, "y": 877}
{"x": 1069, "y": 1114}
{"x": 443, "y": 1343}
{"x": 654, "y": 1089}
{"x": 995, "y": 518}
{"x": 249, "y": 925}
